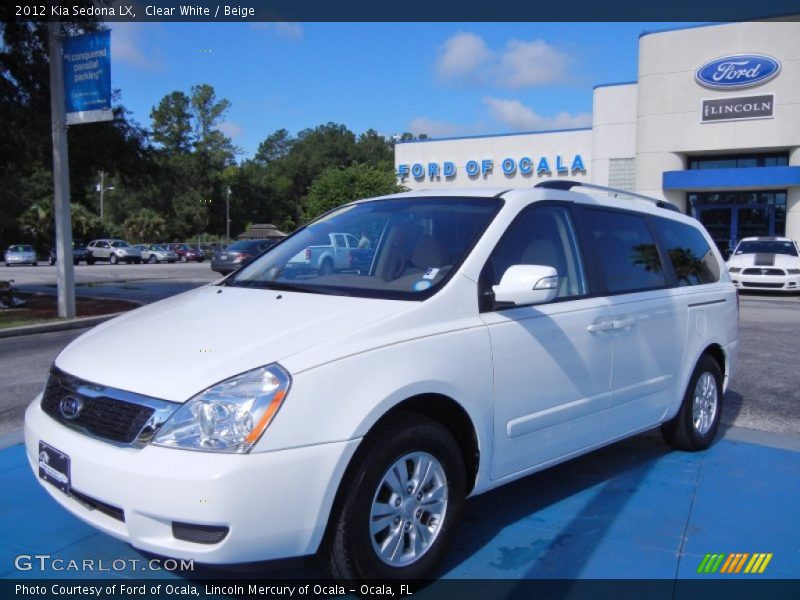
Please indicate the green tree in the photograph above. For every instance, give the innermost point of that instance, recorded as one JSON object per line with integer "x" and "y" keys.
{"x": 145, "y": 226}
{"x": 172, "y": 123}
{"x": 276, "y": 146}
{"x": 337, "y": 186}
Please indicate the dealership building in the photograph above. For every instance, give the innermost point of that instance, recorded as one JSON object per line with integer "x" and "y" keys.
{"x": 711, "y": 124}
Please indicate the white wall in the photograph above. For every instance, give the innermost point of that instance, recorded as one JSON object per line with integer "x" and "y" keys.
{"x": 613, "y": 127}
{"x": 669, "y": 99}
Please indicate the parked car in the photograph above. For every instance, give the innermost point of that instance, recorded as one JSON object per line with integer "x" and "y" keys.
{"x": 78, "y": 252}
{"x": 499, "y": 332}
{"x": 329, "y": 257}
{"x": 766, "y": 263}
{"x": 20, "y": 254}
{"x": 114, "y": 251}
{"x": 187, "y": 254}
{"x": 156, "y": 253}
{"x": 237, "y": 255}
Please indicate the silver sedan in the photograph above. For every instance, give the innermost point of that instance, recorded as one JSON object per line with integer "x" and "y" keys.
{"x": 20, "y": 254}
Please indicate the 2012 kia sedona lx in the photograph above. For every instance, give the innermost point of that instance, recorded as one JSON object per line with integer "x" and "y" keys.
{"x": 486, "y": 335}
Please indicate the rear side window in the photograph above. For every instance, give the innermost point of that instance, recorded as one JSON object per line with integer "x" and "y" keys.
{"x": 626, "y": 250}
{"x": 692, "y": 259}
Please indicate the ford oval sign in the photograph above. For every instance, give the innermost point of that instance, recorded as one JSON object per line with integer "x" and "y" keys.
{"x": 737, "y": 71}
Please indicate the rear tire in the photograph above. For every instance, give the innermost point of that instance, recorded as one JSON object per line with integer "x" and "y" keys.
{"x": 388, "y": 520}
{"x": 326, "y": 268}
{"x": 697, "y": 421}
{"x": 184, "y": 259}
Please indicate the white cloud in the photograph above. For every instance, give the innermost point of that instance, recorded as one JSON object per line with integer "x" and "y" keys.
{"x": 285, "y": 29}
{"x": 128, "y": 46}
{"x": 462, "y": 55}
{"x": 516, "y": 116}
{"x": 231, "y": 129}
{"x": 434, "y": 129}
{"x": 465, "y": 58}
{"x": 525, "y": 64}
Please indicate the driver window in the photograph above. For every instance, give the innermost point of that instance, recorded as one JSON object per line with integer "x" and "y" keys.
{"x": 541, "y": 236}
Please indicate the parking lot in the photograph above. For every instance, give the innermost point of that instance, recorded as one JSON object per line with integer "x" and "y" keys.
{"x": 635, "y": 509}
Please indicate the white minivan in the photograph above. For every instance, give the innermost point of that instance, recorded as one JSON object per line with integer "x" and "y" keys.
{"x": 349, "y": 414}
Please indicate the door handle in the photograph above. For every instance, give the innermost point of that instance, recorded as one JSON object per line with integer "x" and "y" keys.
{"x": 601, "y": 326}
{"x": 625, "y": 323}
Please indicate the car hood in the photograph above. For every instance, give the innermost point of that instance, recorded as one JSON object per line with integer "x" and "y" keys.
{"x": 175, "y": 348}
{"x": 780, "y": 261}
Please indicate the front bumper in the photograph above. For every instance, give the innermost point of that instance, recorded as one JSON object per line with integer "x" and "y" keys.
{"x": 20, "y": 260}
{"x": 777, "y": 283}
{"x": 275, "y": 504}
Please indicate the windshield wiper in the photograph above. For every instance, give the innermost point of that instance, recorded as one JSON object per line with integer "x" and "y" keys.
{"x": 286, "y": 287}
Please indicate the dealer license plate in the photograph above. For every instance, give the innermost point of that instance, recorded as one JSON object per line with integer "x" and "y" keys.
{"x": 54, "y": 467}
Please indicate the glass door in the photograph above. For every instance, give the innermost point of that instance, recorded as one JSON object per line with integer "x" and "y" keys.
{"x": 719, "y": 223}
{"x": 754, "y": 221}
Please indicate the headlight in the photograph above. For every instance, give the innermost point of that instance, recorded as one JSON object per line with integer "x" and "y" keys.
{"x": 793, "y": 271}
{"x": 229, "y": 416}
{"x": 734, "y": 270}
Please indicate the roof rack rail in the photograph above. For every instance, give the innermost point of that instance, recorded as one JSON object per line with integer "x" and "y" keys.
{"x": 565, "y": 185}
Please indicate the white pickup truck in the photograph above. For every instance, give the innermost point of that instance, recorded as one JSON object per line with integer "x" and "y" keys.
{"x": 324, "y": 259}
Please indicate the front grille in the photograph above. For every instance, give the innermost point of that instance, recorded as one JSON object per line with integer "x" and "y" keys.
{"x": 762, "y": 284}
{"x": 758, "y": 271}
{"x": 100, "y": 415}
{"x": 94, "y": 504}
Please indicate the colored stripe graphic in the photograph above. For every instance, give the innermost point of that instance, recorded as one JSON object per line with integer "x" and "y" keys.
{"x": 734, "y": 563}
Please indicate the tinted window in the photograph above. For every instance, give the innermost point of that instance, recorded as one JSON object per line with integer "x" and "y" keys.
{"x": 541, "y": 236}
{"x": 692, "y": 259}
{"x": 626, "y": 250}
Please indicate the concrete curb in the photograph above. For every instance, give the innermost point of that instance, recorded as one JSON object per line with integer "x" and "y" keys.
{"x": 80, "y": 323}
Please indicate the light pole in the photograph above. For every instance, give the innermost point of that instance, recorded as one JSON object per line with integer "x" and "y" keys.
{"x": 101, "y": 187}
{"x": 228, "y": 217}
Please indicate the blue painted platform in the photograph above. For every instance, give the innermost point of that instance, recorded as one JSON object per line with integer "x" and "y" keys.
{"x": 633, "y": 510}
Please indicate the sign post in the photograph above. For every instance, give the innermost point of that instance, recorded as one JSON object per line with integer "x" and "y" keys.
{"x": 80, "y": 92}
{"x": 65, "y": 271}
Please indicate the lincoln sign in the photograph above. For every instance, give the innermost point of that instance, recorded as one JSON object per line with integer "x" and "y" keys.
{"x": 731, "y": 109}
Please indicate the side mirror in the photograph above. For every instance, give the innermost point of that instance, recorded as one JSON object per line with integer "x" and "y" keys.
{"x": 527, "y": 284}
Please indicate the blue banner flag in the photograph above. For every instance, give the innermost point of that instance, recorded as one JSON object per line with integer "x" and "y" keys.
{"x": 87, "y": 78}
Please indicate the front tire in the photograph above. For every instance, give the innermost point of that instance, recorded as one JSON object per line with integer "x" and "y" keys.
{"x": 697, "y": 421}
{"x": 113, "y": 259}
{"x": 152, "y": 260}
{"x": 399, "y": 503}
{"x": 184, "y": 259}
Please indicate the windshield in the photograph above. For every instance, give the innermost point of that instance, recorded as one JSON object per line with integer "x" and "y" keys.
{"x": 767, "y": 247}
{"x": 120, "y": 244}
{"x": 403, "y": 249}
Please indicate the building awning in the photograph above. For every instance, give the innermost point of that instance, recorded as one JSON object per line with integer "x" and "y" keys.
{"x": 732, "y": 179}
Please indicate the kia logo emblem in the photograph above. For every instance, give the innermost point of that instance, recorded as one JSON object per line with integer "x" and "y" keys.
{"x": 70, "y": 407}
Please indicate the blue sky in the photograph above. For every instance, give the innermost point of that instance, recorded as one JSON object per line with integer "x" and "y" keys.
{"x": 443, "y": 79}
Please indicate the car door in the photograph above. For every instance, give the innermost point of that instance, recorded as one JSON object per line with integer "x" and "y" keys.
{"x": 649, "y": 323}
{"x": 340, "y": 251}
{"x": 551, "y": 362}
